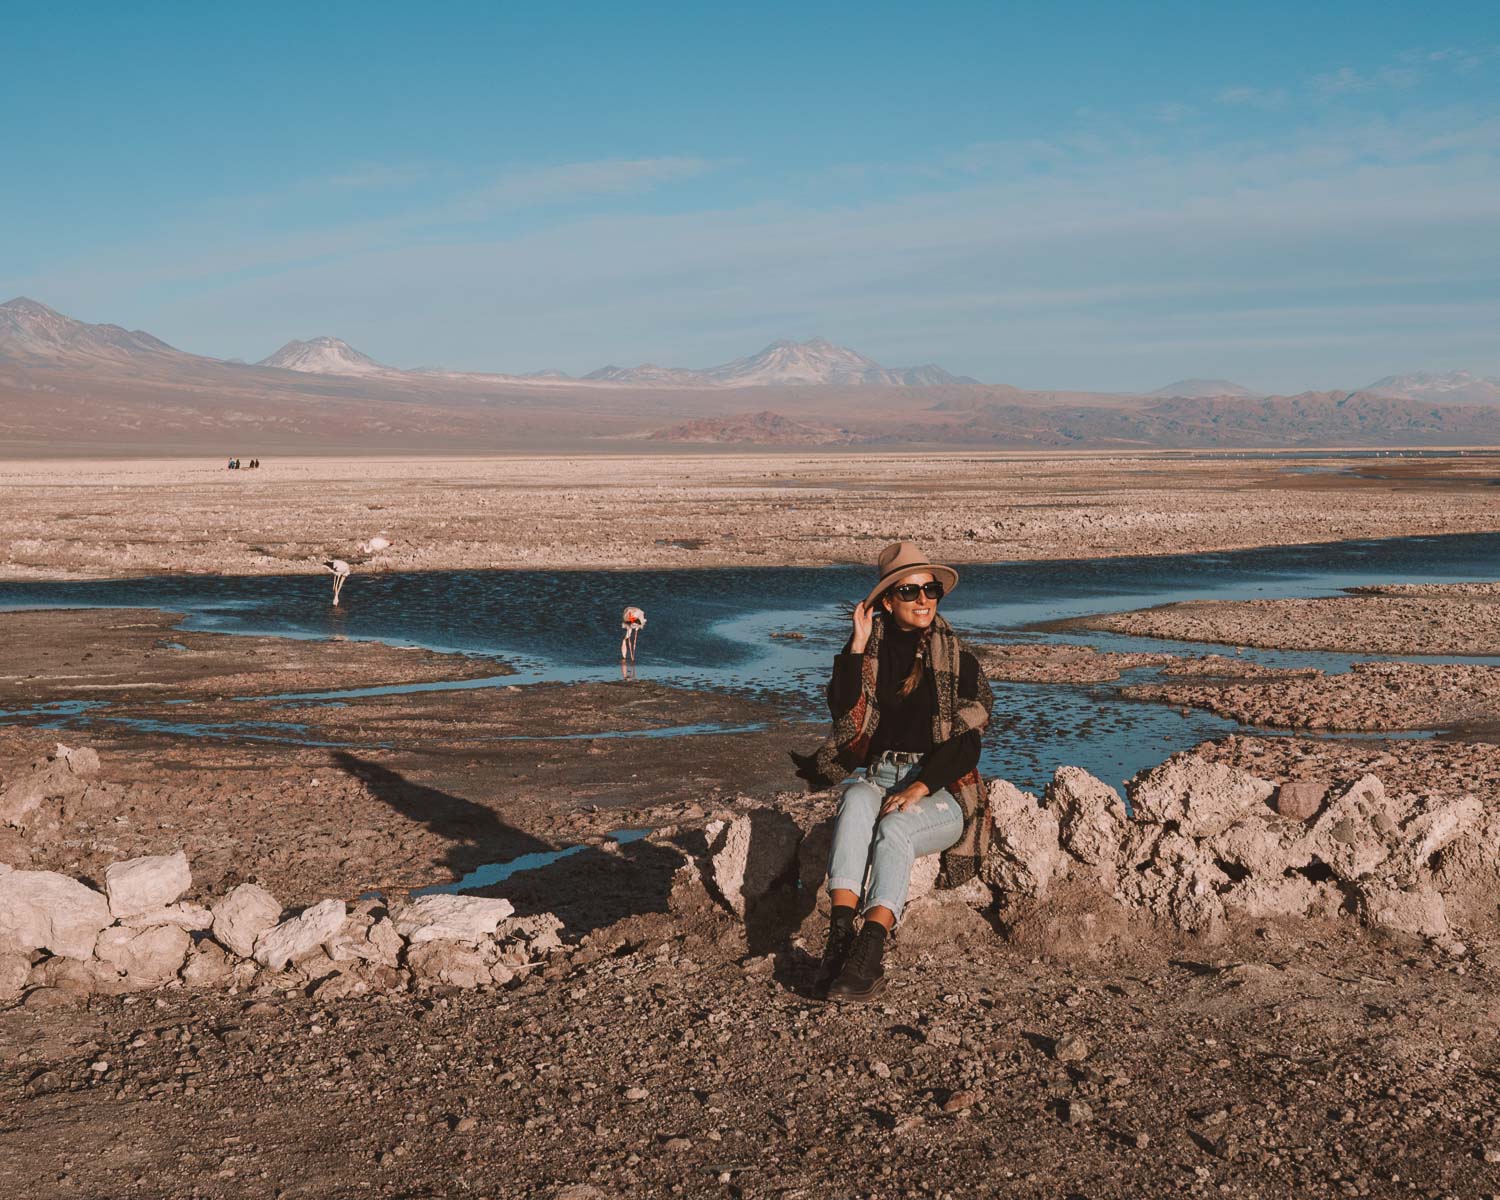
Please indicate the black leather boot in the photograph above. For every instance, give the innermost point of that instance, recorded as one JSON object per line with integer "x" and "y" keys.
{"x": 863, "y": 977}
{"x": 840, "y": 939}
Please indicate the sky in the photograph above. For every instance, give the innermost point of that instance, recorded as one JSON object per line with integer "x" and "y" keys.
{"x": 1096, "y": 196}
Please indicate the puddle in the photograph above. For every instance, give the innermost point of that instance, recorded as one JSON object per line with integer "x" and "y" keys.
{"x": 493, "y": 873}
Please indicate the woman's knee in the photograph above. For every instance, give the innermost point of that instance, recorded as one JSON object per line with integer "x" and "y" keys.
{"x": 891, "y": 835}
{"x": 861, "y": 796}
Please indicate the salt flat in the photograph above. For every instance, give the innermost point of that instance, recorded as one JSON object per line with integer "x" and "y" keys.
{"x": 105, "y": 518}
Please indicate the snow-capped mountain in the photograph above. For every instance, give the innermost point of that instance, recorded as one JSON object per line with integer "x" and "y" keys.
{"x": 783, "y": 363}
{"x": 32, "y": 332}
{"x": 1200, "y": 389}
{"x": 324, "y": 356}
{"x": 1449, "y": 387}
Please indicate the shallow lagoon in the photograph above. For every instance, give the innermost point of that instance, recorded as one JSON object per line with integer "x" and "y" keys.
{"x": 713, "y": 629}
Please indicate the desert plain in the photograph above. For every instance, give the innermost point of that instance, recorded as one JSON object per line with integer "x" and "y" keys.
{"x": 1276, "y": 974}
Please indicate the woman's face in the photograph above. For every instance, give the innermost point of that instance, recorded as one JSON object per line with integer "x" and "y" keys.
{"x": 916, "y": 613}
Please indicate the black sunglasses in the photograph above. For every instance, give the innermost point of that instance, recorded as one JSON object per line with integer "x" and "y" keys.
{"x": 933, "y": 590}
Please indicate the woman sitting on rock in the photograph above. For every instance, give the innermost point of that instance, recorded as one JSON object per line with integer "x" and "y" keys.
{"x": 908, "y": 701}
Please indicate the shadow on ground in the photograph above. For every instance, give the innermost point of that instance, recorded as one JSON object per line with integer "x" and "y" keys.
{"x": 479, "y": 836}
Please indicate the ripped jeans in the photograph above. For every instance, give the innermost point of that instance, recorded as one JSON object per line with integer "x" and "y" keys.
{"x": 884, "y": 852}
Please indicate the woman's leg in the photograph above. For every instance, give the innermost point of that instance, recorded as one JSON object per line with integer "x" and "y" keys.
{"x": 932, "y": 824}
{"x": 853, "y": 830}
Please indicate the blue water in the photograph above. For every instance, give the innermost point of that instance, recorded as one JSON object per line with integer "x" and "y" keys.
{"x": 712, "y": 629}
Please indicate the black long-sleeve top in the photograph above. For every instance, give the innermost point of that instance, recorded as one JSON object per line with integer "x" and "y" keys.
{"x": 906, "y": 722}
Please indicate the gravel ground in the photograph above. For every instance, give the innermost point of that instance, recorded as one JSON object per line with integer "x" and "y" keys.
{"x": 1304, "y": 1064}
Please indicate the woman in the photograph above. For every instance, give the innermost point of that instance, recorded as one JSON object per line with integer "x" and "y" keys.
{"x": 908, "y": 702}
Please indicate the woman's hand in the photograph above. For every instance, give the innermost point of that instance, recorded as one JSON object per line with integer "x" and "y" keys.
{"x": 912, "y": 793}
{"x": 864, "y": 621}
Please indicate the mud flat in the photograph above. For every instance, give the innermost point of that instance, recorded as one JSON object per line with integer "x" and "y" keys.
{"x": 1371, "y": 696}
{"x": 101, "y": 519}
{"x": 57, "y": 655}
{"x": 1457, "y": 619}
{"x": 1265, "y": 1003}
{"x": 1036, "y": 662}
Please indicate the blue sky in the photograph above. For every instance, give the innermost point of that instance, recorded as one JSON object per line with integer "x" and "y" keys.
{"x": 1051, "y": 195}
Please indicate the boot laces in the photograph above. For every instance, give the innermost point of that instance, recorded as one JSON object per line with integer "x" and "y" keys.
{"x": 865, "y": 955}
{"x": 839, "y": 941}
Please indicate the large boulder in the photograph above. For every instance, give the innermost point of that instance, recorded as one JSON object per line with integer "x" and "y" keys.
{"x": 14, "y": 968}
{"x": 243, "y": 915}
{"x": 1091, "y": 819}
{"x": 42, "y": 910}
{"x": 1300, "y": 799}
{"x": 1261, "y": 845}
{"x": 62, "y": 774}
{"x": 143, "y": 958}
{"x": 299, "y": 936}
{"x": 142, "y": 884}
{"x": 541, "y": 932}
{"x": 451, "y": 963}
{"x": 1176, "y": 879}
{"x": 448, "y": 918}
{"x": 1024, "y": 851}
{"x": 1201, "y": 798}
{"x": 1357, "y": 831}
{"x": 1418, "y": 910}
{"x": 1282, "y": 896}
{"x": 366, "y": 936}
{"x": 1437, "y": 826}
{"x": 748, "y": 855}
{"x": 209, "y": 966}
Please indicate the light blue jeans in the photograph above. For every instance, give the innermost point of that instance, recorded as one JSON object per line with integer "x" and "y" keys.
{"x": 865, "y": 845}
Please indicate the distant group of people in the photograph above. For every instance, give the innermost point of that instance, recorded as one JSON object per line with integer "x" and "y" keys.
{"x": 235, "y": 465}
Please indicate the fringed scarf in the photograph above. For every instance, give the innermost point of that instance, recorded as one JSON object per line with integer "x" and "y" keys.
{"x": 847, "y": 747}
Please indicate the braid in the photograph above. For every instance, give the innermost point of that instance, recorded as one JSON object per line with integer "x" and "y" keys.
{"x": 918, "y": 663}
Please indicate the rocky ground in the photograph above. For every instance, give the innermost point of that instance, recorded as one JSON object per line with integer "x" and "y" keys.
{"x": 109, "y": 518}
{"x": 1043, "y": 1035}
{"x": 1401, "y": 619}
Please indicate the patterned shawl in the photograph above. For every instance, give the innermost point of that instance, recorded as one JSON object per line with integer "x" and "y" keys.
{"x": 848, "y": 745}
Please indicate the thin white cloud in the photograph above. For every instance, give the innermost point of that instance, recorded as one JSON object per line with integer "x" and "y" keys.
{"x": 1267, "y": 99}
{"x": 572, "y": 181}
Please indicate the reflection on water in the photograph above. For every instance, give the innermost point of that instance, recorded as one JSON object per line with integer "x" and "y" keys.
{"x": 714, "y": 628}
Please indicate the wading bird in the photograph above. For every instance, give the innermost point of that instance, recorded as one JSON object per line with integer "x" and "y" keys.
{"x": 632, "y": 621}
{"x": 340, "y": 571}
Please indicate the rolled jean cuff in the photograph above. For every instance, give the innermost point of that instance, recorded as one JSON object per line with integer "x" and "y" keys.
{"x": 845, "y": 885}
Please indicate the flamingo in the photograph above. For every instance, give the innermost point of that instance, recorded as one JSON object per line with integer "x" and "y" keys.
{"x": 341, "y": 571}
{"x": 632, "y": 621}
{"x": 375, "y": 545}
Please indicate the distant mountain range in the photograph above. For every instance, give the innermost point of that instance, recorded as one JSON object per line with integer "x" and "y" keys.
{"x": 1452, "y": 387}
{"x": 781, "y": 363}
{"x": 33, "y": 333}
{"x": 67, "y": 386}
{"x": 1200, "y": 389}
{"x": 817, "y": 361}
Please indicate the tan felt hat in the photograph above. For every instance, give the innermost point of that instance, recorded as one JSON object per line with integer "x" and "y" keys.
{"x": 903, "y": 558}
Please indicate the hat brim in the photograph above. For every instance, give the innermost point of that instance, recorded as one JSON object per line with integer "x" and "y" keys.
{"x": 948, "y": 576}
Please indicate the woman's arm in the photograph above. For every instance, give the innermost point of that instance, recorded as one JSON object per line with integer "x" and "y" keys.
{"x": 948, "y": 762}
{"x": 844, "y": 687}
